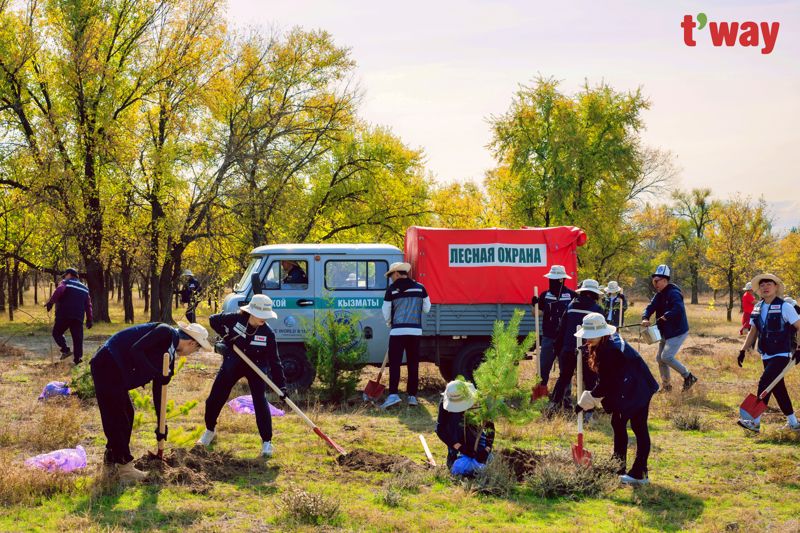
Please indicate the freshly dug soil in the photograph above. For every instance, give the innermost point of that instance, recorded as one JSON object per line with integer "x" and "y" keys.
{"x": 728, "y": 340}
{"x": 698, "y": 350}
{"x": 522, "y": 462}
{"x": 369, "y": 461}
{"x": 197, "y": 468}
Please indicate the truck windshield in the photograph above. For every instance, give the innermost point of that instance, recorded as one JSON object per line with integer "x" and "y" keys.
{"x": 254, "y": 265}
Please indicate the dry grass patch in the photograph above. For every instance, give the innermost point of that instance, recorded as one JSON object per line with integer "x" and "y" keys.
{"x": 58, "y": 427}
{"x": 302, "y": 507}
{"x": 557, "y": 475}
{"x": 28, "y": 486}
{"x": 687, "y": 421}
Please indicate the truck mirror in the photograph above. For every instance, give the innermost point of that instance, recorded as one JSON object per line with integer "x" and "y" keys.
{"x": 367, "y": 332}
{"x": 255, "y": 282}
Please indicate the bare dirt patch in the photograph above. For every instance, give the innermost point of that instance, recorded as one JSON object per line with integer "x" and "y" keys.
{"x": 196, "y": 468}
{"x": 522, "y": 462}
{"x": 369, "y": 461}
{"x": 700, "y": 349}
{"x": 728, "y": 340}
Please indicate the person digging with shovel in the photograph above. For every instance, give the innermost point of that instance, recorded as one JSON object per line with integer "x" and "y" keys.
{"x": 774, "y": 322}
{"x": 468, "y": 446}
{"x": 624, "y": 388}
{"x": 248, "y": 330}
{"x": 129, "y": 359}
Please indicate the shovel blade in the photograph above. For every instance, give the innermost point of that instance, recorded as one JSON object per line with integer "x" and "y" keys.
{"x": 539, "y": 391}
{"x": 581, "y": 455}
{"x": 373, "y": 390}
{"x": 752, "y": 406}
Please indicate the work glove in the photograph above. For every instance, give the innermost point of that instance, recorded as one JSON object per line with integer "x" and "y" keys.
{"x": 284, "y": 393}
{"x": 162, "y": 436}
{"x": 89, "y": 324}
{"x": 535, "y": 300}
{"x": 740, "y": 359}
{"x": 796, "y": 357}
{"x": 588, "y": 402}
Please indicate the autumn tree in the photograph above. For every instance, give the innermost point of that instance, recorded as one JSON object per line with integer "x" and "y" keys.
{"x": 787, "y": 262}
{"x": 740, "y": 244}
{"x": 694, "y": 208}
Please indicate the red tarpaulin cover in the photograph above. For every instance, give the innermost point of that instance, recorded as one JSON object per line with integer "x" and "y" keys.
{"x": 490, "y": 265}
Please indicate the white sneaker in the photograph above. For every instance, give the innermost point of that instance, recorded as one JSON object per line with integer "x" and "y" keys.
{"x": 749, "y": 424}
{"x": 266, "y": 449}
{"x": 625, "y": 479}
{"x": 207, "y": 437}
{"x": 412, "y": 400}
{"x": 393, "y": 399}
{"x": 790, "y": 426}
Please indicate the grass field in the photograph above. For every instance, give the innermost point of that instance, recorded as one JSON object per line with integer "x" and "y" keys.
{"x": 715, "y": 478}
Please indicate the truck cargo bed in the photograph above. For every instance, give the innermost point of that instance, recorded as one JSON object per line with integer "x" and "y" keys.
{"x": 470, "y": 320}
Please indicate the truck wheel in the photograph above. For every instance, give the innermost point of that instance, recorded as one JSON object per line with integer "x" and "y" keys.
{"x": 296, "y": 368}
{"x": 469, "y": 358}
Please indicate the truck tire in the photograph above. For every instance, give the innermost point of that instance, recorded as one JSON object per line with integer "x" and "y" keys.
{"x": 297, "y": 369}
{"x": 469, "y": 358}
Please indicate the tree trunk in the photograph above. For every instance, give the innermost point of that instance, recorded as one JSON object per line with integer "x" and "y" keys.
{"x": 695, "y": 282}
{"x": 146, "y": 295}
{"x": 730, "y": 296}
{"x": 20, "y": 285}
{"x": 15, "y": 286}
{"x": 97, "y": 289}
{"x": 35, "y": 287}
{"x": 126, "y": 284}
{"x": 3, "y": 289}
{"x": 119, "y": 288}
{"x": 11, "y": 294}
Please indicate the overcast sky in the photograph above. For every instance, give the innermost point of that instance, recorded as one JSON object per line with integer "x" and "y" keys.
{"x": 435, "y": 71}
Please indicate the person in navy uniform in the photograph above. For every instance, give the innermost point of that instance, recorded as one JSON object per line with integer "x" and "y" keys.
{"x": 130, "y": 359}
{"x": 774, "y": 322}
{"x": 248, "y": 330}
{"x": 295, "y": 274}
{"x": 190, "y": 295}
{"x": 613, "y": 301}
{"x": 624, "y": 388}
{"x": 73, "y": 303}
{"x": 552, "y": 304}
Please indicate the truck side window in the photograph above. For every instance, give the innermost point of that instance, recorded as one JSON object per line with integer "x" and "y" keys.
{"x": 286, "y": 275}
{"x": 355, "y": 275}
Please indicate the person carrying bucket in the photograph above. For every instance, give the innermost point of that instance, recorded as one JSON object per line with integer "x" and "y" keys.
{"x": 552, "y": 303}
{"x": 624, "y": 388}
{"x": 673, "y": 325}
{"x": 468, "y": 446}
{"x": 774, "y": 322}
{"x": 248, "y": 330}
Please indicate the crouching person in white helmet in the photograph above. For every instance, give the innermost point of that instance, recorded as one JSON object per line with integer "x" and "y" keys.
{"x": 130, "y": 359}
{"x": 624, "y": 388}
{"x": 248, "y": 330}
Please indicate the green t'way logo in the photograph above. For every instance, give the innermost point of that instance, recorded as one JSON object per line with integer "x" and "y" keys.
{"x": 510, "y": 255}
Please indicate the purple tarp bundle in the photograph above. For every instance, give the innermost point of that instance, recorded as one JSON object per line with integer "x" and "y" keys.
{"x": 244, "y": 405}
{"x": 54, "y": 388}
{"x": 65, "y": 460}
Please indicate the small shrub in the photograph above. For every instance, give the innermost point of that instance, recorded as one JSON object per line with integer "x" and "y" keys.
{"x": 28, "y": 486}
{"x": 497, "y": 479}
{"x": 311, "y": 509}
{"x": 81, "y": 382}
{"x": 557, "y": 475}
{"x": 392, "y": 497}
{"x": 337, "y": 350}
{"x": 408, "y": 480}
{"x": 59, "y": 426}
{"x": 687, "y": 421}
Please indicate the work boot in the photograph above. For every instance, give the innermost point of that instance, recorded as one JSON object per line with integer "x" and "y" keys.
{"x": 665, "y": 387}
{"x": 65, "y": 354}
{"x": 206, "y": 438}
{"x": 393, "y": 399}
{"x": 412, "y": 401}
{"x": 688, "y": 381}
{"x": 266, "y": 449}
{"x": 789, "y": 426}
{"x": 130, "y": 474}
{"x": 627, "y": 479}
{"x": 751, "y": 425}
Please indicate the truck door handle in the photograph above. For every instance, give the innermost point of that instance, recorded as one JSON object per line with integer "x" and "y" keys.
{"x": 305, "y": 303}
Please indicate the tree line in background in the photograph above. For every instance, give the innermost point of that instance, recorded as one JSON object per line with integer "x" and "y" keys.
{"x": 142, "y": 137}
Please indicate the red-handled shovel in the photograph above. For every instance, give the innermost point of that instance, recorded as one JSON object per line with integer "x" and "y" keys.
{"x": 580, "y": 455}
{"x": 540, "y": 390}
{"x": 374, "y": 389}
{"x": 753, "y": 406}
{"x": 289, "y": 402}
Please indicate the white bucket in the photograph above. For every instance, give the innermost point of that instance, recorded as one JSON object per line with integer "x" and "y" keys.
{"x": 651, "y": 335}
